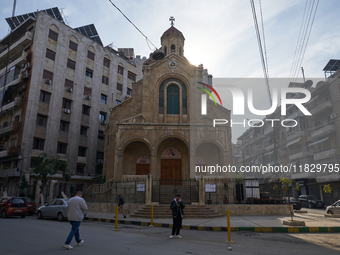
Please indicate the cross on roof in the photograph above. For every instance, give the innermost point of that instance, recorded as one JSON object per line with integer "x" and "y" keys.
{"x": 172, "y": 19}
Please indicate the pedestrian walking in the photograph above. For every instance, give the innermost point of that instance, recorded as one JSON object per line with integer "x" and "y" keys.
{"x": 121, "y": 202}
{"x": 75, "y": 213}
{"x": 177, "y": 207}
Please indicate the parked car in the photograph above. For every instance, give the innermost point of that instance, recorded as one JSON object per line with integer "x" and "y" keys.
{"x": 296, "y": 204}
{"x": 31, "y": 205}
{"x": 310, "y": 201}
{"x": 56, "y": 208}
{"x": 334, "y": 208}
{"x": 12, "y": 206}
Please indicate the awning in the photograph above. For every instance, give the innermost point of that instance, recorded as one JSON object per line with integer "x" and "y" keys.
{"x": 292, "y": 142}
{"x": 268, "y": 153}
{"x": 320, "y": 141}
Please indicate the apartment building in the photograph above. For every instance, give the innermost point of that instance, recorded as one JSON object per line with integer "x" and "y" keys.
{"x": 57, "y": 86}
{"x": 313, "y": 141}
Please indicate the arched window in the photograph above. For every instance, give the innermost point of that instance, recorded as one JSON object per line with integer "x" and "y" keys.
{"x": 169, "y": 105}
{"x": 173, "y": 48}
{"x": 172, "y": 99}
{"x": 165, "y": 50}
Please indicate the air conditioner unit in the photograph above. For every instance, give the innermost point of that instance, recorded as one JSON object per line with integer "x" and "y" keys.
{"x": 26, "y": 76}
{"x": 103, "y": 122}
{"x": 88, "y": 97}
{"x": 72, "y": 171}
{"x": 68, "y": 111}
{"x": 333, "y": 116}
{"x": 28, "y": 66}
{"x": 68, "y": 89}
{"x": 47, "y": 81}
{"x": 100, "y": 161}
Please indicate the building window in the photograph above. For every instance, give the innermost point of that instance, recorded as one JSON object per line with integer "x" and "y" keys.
{"x": 38, "y": 143}
{"x": 90, "y": 54}
{"x": 106, "y": 62}
{"x": 64, "y": 126}
{"x": 47, "y": 75}
{"x": 87, "y": 91}
{"x": 118, "y": 102}
{"x": 103, "y": 99}
{"x": 132, "y": 76}
{"x": 101, "y": 135}
{"x": 86, "y": 109}
{"x": 129, "y": 92}
{"x": 45, "y": 96}
{"x": 89, "y": 73}
{"x": 68, "y": 83}
{"x": 119, "y": 86}
{"x": 83, "y": 130}
{"x": 102, "y": 116}
{"x": 173, "y": 48}
{"x": 67, "y": 103}
{"x": 105, "y": 80}
{"x": 71, "y": 64}
{"x": 62, "y": 147}
{"x": 80, "y": 168}
{"x": 17, "y": 118}
{"x": 82, "y": 151}
{"x": 53, "y": 35}
{"x": 41, "y": 120}
{"x": 172, "y": 99}
{"x": 73, "y": 46}
{"x": 120, "y": 69}
{"x": 50, "y": 54}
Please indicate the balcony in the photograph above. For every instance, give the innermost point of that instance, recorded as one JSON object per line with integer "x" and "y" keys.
{"x": 15, "y": 61}
{"x": 323, "y": 130}
{"x": 295, "y": 114}
{"x": 267, "y": 130}
{"x": 9, "y": 151}
{"x": 8, "y": 128}
{"x": 322, "y": 107}
{"x": 270, "y": 147}
{"x": 299, "y": 155}
{"x": 17, "y": 102}
{"x": 324, "y": 154}
{"x": 12, "y": 172}
{"x": 23, "y": 41}
{"x": 294, "y": 135}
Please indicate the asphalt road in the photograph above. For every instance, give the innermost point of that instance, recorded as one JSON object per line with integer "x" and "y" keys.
{"x": 33, "y": 236}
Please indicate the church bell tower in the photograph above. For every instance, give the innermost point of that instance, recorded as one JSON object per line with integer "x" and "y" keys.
{"x": 172, "y": 40}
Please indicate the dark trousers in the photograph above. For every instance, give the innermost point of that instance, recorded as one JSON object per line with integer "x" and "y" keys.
{"x": 176, "y": 224}
{"x": 74, "y": 232}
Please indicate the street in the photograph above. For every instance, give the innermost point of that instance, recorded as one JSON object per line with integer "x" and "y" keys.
{"x": 33, "y": 236}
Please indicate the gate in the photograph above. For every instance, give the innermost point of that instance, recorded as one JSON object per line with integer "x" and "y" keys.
{"x": 165, "y": 190}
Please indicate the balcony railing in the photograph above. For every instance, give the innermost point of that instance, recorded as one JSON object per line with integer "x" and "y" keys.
{"x": 325, "y": 105}
{"x": 324, "y": 154}
{"x": 25, "y": 39}
{"x": 8, "y": 128}
{"x": 299, "y": 155}
{"x": 323, "y": 130}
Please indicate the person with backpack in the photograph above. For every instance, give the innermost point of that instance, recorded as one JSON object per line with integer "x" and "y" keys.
{"x": 121, "y": 202}
{"x": 177, "y": 207}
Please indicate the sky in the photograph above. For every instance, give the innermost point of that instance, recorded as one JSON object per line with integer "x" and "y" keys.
{"x": 219, "y": 34}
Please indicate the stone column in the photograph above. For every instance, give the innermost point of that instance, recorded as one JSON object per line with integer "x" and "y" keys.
{"x": 50, "y": 195}
{"x": 153, "y": 164}
{"x": 148, "y": 190}
{"x": 37, "y": 193}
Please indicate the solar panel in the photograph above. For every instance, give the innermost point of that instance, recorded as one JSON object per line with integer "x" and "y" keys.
{"x": 90, "y": 31}
{"x": 16, "y": 21}
{"x": 332, "y": 66}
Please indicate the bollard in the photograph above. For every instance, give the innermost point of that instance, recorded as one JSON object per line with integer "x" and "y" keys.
{"x": 228, "y": 226}
{"x": 116, "y": 220}
{"x": 151, "y": 214}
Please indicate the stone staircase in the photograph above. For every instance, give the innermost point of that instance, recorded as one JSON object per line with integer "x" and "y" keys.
{"x": 164, "y": 212}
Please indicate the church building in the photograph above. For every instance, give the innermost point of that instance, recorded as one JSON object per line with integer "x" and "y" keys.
{"x": 160, "y": 131}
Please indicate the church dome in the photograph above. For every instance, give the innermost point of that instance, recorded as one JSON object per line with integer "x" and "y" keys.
{"x": 172, "y": 30}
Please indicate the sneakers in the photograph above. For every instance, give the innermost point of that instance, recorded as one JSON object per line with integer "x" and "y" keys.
{"x": 178, "y": 236}
{"x": 171, "y": 236}
{"x": 67, "y": 246}
{"x": 80, "y": 243}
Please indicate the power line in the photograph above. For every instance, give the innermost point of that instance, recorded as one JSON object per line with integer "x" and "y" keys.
{"x": 265, "y": 73}
{"x": 147, "y": 40}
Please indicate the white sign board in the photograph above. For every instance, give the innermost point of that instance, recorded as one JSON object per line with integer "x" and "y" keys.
{"x": 210, "y": 187}
{"x": 140, "y": 187}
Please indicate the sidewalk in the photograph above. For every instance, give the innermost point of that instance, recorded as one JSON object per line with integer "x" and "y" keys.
{"x": 314, "y": 222}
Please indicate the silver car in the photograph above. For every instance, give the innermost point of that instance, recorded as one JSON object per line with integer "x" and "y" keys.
{"x": 56, "y": 208}
{"x": 334, "y": 208}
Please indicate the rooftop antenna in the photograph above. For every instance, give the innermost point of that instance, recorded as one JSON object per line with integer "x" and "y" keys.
{"x": 64, "y": 17}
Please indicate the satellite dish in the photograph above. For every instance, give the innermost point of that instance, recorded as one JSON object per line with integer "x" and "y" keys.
{"x": 308, "y": 83}
{"x": 319, "y": 84}
{"x": 158, "y": 55}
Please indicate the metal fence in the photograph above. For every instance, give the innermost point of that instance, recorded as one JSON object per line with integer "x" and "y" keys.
{"x": 217, "y": 191}
{"x": 164, "y": 191}
{"x": 133, "y": 192}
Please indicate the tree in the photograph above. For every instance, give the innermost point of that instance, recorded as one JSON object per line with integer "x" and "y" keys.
{"x": 24, "y": 183}
{"x": 328, "y": 190}
{"x": 45, "y": 166}
{"x": 285, "y": 182}
{"x": 62, "y": 165}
